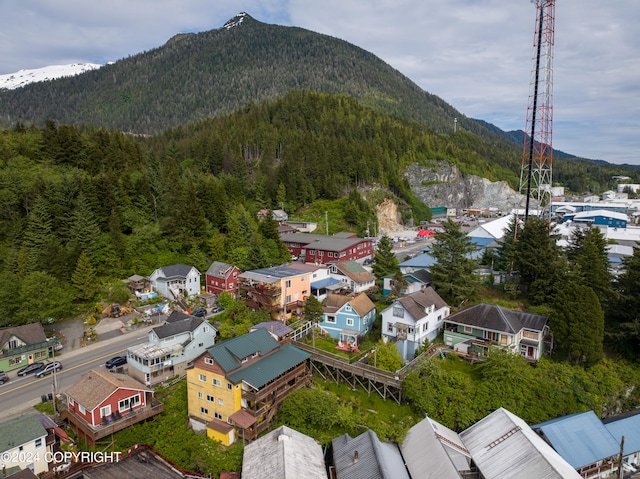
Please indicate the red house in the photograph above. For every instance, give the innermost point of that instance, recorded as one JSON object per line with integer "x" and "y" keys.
{"x": 222, "y": 277}
{"x": 101, "y": 403}
{"x": 322, "y": 249}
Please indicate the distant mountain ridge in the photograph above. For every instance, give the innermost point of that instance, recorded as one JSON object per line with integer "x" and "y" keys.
{"x": 199, "y": 75}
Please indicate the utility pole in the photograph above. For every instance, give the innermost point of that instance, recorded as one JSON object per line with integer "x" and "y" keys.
{"x": 537, "y": 152}
{"x": 326, "y": 221}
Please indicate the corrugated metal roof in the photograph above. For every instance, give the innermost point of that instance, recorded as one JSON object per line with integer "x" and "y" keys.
{"x": 365, "y": 456}
{"x": 230, "y": 353}
{"x": 503, "y": 446}
{"x": 581, "y": 439}
{"x": 426, "y": 455}
{"x": 259, "y": 373}
{"x": 629, "y": 427}
{"x": 283, "y": 453}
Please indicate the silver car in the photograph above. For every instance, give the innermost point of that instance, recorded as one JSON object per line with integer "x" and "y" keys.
{"x": 48, "y": 369}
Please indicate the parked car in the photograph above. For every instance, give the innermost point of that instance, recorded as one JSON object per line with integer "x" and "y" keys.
{"x": 48, "y": 369}
{"x": 31, "y": 368}
{"x": 200, "y": 312}
{"x": 217, "y": 309}
{"x": 3, "y": 377}
{"x": 116, "y": 361}
{"x": 57, "y": 346}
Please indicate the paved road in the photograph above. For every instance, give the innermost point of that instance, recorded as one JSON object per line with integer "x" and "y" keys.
{"x": 21, "y": 393}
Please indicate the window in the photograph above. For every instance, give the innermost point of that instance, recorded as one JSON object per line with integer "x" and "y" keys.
{"x": 398, "y": 312}
{"x": 468, "y": 329}
{"x": 331, "y": 319}
{"x": 217, "y": 415}
{"x": 105, "y": 411}
{"x": 71, "y": 401}
{"x": 425, "y": 326}
{"x": 128, "y": 403}
{"x": 81, "y": 409}
{"x": 199, "y": 394}
{"x": 204, "y": 410}
{"x": 491, "y": 336}
{"x": 349, "y": 321}
{"x": 348, "y": 308}
{"x": 210, "y": 398}
{"x": 220, "y": 402}
{"x": 216, "y": 382}
{"x": 229, "y": 386}
{"x": 39, "y": 441}
{"x": 208, "y": 361}
{"x": 287, "y": 283}
{"x": 202, "y": 378}
{"x": 288, "y": 298}
{"x": 389, "y": 328}
{"x": 229, "y": 421}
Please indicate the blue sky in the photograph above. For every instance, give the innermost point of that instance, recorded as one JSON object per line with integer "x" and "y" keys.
{"x": 474, "y": 54}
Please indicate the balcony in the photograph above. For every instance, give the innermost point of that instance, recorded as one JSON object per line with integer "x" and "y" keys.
{"x": 93, "y": 433}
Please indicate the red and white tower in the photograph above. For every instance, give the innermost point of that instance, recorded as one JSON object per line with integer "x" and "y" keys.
{"x": 536, "y": 173}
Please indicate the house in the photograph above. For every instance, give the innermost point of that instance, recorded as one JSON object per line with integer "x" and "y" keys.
{"x": 23, "y": 345}
{"x": 280, "y": 289}
{"x": 414, "y": 318}
{"x": 171, "y": 348}
{"x": 480, "y": 327}
{"x": 322, "y": 249}
{"x": 584, "y": 442}
{"x": 175, "y": 281}
{"x": 221, "y": 277}
{"x": 321, "y": 281}
{"x": 611, "y": 219}
{"x": 235, "y": 388}
{"x": 102, "y": 403}
{"x": 366, "y": 456}
{"x": 421, "y": 261}
{"x": 628, "y": 427}
{"x": 503, "y": 446}
{"x": 24, "y": 444}
{"x": 284, "y": 453}
{"x": 415, "y": 281}
{"x": 448, "y": 458}
{"x": 347, "y": 318}
{"x": 353, "y": 275}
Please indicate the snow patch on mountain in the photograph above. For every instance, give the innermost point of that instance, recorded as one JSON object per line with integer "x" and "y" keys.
{"x": 235, "y": 21}
{"x": 21, "y": 78}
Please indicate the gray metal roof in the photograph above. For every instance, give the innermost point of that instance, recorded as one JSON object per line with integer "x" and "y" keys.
{"x": 268, "y": 368}
{"x": 283, "y": 453}
{"x": 20, "y": 430}
{"x": 272, "y": 274}
{"x": 219, "y": 269}
{"x": 433, "y": 450}
{"x": 230, "y": 353}
{"x": 497, "y": 318}
{"x": 175, "y": 271}
{"x": 503, "y": 446}
{"x": 321, "y": 242}
{"x": 178, "y": 323}
{"x": 581, "y": 439}
{"x": 366, "y": 457}
{"x": 274, "y": 327}
{"x": 416, "y": 303}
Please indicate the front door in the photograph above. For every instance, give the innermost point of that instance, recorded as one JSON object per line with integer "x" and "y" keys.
{"x": 31, "y": 359}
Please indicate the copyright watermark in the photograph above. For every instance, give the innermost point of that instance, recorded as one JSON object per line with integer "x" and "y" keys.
{"x": 19, "y": 457}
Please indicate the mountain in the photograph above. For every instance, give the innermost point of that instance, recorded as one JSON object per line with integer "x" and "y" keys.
{"x": 22, "y": 78}
{"x": 195, "y": 76}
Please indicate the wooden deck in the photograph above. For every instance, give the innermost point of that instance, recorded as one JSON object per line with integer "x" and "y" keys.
{"x": 92, "y": 434}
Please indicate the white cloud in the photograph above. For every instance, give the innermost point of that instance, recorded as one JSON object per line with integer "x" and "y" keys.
{"x": 475, "y": 54}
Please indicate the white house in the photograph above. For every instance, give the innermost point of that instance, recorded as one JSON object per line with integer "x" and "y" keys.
{"x": 176, "y": 280}
{"x": 413, "y": 318}
{"x": 171, "y": 348}
{"x": 23, "y": 445}
{"x": 353, "y": 276}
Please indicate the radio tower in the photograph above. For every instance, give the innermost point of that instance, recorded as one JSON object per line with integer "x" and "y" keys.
{"x": 535, "y": 176}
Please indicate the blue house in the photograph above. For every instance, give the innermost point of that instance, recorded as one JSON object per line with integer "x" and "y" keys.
{"x": 347, "y": 317}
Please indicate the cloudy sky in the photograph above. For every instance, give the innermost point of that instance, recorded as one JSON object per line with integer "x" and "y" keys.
{"x": 474, "y": 54}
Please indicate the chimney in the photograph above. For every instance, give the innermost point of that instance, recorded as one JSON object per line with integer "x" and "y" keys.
{"x": 356, "y": 456}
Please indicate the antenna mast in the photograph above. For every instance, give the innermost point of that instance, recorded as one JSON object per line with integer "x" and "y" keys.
{"x": 537, "y": 153}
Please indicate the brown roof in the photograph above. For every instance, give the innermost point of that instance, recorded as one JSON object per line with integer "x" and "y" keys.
{"x": 95, "y": 386}
{"x": 354, "y": 271}
{"x": 243, "y": 419}
{"x": 361, "y": 303}
{"x": 32, "y": 333}
{"x": 220, "y": 426}
{"x": 417, "y": 303}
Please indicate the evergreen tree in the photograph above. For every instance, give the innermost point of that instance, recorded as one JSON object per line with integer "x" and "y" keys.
{"x": 385, "y": 262}
{"x": 589, "y": 262}
{"x": 313, "y": 310}
{"x": 453, "y": 273}
{"x": 623, "y": 313}
{"x": 537, "y": 258}
{"x": 577, "y": 324}
{"x": 84, "y": 278}
{"x": 507, "y": 249}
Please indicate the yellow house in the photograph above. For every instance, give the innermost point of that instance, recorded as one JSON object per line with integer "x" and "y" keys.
{"x": 236, "y": 386}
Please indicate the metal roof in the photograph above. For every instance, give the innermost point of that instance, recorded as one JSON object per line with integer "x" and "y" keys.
{"x": 283, "y": 453}
{"x": 497, "y": 318}
{"x": 366, "y": 456}
{"x": 432, "y": 450}
{"x": 268, "y": 368}
{"x": 230, "y": 353}
{"x": 581, "y": 439}
{"x": 274, "y": 327}
{"x": 629, "y": 427}
{"x": 503, "y": 446}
